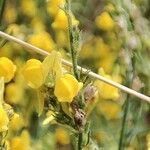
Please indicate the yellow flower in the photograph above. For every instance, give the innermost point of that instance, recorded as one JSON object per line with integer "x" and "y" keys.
{"x": 61, "y": 21}
{"x": 10, "y": 13}
{"x": 33, "y": 73}
{"x": 104, "y": 21}
{"x": 109, "y": 109}
{"x": 3, "y": 120}
{"x": 16, "y": 122}
{"x": 7, "y": 69}
{"x": 42, "y": 40}
{"x": 11, "y": 93}
{"x": 53, "y": 6}
{"x": 106, "y": 91}
{"x": 66, "y": 88}
{"x": 21, "y": 142}
{"x": 28, "y": 8}
{"x": 62, "y": 136}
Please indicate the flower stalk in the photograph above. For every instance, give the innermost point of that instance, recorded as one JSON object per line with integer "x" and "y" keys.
{"x": 71, "y": 33}
{"x": 130, "y": 75}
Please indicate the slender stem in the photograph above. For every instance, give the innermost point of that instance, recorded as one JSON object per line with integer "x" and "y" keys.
{"x": 2, "y": 6}
{"x": 80, "y": 139}
{"x": 124, "y": 124}
{"x": 73, "y": 51}
{"x": 130, "y": 74}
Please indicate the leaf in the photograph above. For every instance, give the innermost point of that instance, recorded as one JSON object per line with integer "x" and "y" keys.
{"x": 52, "y": 66}
{"x": 1, "y": 90}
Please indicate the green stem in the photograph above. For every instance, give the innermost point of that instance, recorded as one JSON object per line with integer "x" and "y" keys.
{"x": 80, "y": 139}
{"x": 130, "y": 74}
{"x": 2, "y": 6}
{"x": 73, "y": 51}
{"x": 124, "y": 124}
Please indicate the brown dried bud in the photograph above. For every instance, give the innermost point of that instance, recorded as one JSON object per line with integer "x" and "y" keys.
{"x": 79, "y": 118}
{"x": 137, "y": 84}
{"x": 89, "y": 92}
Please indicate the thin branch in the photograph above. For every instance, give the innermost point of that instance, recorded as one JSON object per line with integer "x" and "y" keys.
{"x": 91, "y": 74}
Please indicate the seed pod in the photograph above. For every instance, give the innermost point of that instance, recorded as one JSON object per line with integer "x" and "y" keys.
{"x": 80, "y": 118}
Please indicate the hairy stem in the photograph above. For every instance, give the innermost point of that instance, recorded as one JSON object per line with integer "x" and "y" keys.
{"x": 130, "y": 75}
{"x": 73, "y": 51}
{"x": 80, "y": 141}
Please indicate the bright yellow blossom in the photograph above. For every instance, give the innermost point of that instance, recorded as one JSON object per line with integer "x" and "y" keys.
{"x": 21, "y": 142}
{"x": 42, "y": 40}
{"x": 104, "y": 21}
{"x": 33, "y": 73}
{"x": 3, "y": 120}
{"x": 106, "y": 91}
{"x": 53, "y": 6}
{"x": 61, "y": 21}
{"x": 7, "y": 69}
{"x": 66, "y": 88}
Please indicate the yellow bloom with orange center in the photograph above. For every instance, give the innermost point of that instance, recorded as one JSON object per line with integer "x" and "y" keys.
{"x": 106, "y": 91}
{"x": 33, "y": 73}
{"x": 61, "y": 21}
{"x": 21, "y": 142}
{"x": 16, "y": 122}
{"x": 42, "y": 40}
{"x": 62, "y": 136}
{"x": 3, "y": 120}
{"x": 7, "y": 69}
{"x": 66, "y": 88}
{"x": 104, "y": 21}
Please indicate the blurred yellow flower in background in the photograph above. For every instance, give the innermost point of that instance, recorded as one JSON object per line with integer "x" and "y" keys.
{"x": 109, "y": 109}
{"x": 42, "y": 40}
{"x": 53, "y": 6}
{"x": 21, "y": 142}
{"x": 106, "y": 91}
{"x": 10, "y": 14}
{"x": 33, "y": 73}
{"x": 61, "y": 21}
{"x": 3, "y": 120}
{"x": 7, "y": 69}
{"x": 37, "y": 24}
{"x": 16, "y": 122}
{"x": 28, "y": 7}
{"x": 66, "y": 88}
{"x": 11, "y": 93}
{"x": 104, "y": 21}
{"x": 62, "y": 136}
